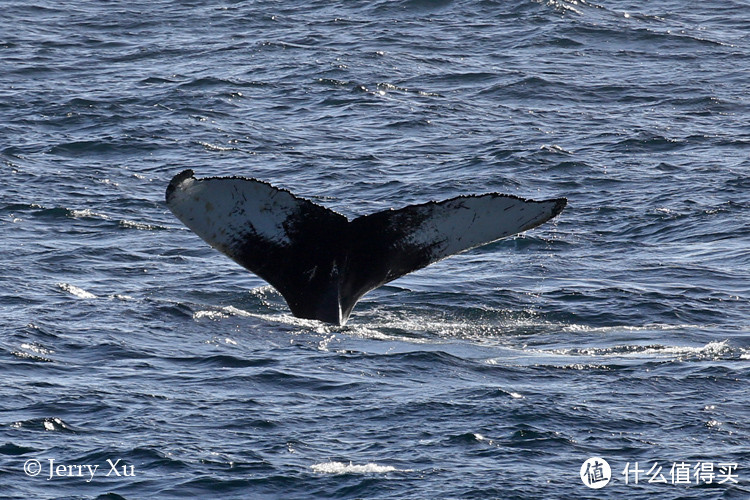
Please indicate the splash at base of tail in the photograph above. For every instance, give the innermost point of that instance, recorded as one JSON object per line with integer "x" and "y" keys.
{"x": 321, "y": 262}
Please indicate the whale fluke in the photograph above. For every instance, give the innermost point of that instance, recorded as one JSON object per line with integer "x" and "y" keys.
{"x": 321, "y": 262}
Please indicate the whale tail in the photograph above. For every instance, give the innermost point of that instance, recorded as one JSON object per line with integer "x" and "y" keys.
{"x": 321, "y": 262}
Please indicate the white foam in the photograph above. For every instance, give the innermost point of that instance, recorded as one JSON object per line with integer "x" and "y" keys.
{"x": 76, "y": 291}
{"x": 122, "y": 297}
{"x": 88, "y": 213}
{"x": 234, "y": 311}
{"x": 712, "y": 348}
{"x": 428, "y": 326}
{"x": 286, "y": 319}
{"x": 36, "y": 348}
{"x": 563, "y": 6}
{"x": 215, "y": 147}
{"x": 129, "y": 224}
{"x": 642, "y": 328}
{"x": 214, "y": 315}
{"x": 350, "y": 468}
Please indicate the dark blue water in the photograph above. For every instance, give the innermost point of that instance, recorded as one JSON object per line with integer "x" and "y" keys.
{"x": 621, "y": 330}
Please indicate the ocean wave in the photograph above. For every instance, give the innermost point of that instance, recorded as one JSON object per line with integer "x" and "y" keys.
{"x": 715, "y": 350}
{"x": 350, "y": 468}
{"x": 52, "y": 424}
{"x": 76, "y": 291}
{"x": 34, "y": 352}
{"x": 141, "y": 226}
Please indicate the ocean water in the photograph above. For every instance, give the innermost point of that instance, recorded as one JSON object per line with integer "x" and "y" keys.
{"x": 620, "y": 331}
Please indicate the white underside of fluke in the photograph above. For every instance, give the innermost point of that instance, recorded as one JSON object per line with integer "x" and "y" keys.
{"x": 464, "y": 223}
{"x": 219, "y": 210}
